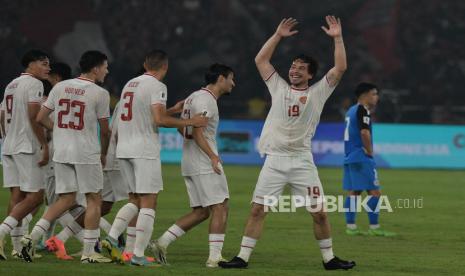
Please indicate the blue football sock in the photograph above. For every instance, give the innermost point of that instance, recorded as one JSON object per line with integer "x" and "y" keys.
{"x": 373, "y": 215}
{"x": 350, "y": 204}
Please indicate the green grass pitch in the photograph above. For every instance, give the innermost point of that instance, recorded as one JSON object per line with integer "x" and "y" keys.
{"x": 431, "y": 239}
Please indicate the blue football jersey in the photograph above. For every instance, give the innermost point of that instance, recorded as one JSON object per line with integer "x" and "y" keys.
{"x": 357, "y": 118}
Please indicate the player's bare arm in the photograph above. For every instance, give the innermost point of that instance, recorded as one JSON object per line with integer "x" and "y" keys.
{"x": 175, "y": 109}
{"x": 39, "y": 131}
{"x": 262, "y": 60}
{"x": 43, "y": 118}
{"x": 105, "y": 134}
{"x": 2, "y": 122}
{"x": 334, "y": 30}
{"x": 197, "y": 134}
{"x": 161, "y": 118}
{"x": 366, "y": 141}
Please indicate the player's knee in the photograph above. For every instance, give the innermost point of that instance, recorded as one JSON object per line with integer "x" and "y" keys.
{"x": 376, "y": 193}
{"x": 93, "y": 199}
{"x": 202, "y": 213}
{"x": 320, "y": 217}
{"x": 258, "y": 211}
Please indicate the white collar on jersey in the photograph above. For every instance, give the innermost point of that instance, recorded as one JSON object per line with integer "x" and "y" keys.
{"x": 209, "y": 91}
{"x": 85, "y": 79}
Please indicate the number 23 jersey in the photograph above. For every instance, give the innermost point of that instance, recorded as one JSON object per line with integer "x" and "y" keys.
{"x": 78, "y": 104}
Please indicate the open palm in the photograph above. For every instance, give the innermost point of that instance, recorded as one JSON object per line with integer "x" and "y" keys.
{"x": 334, "y": 28}
{"x": 285, "y": 27}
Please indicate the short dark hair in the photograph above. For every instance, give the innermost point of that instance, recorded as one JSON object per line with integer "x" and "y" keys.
{"x": 61, "y": 69}
{"x": 31, "y": 56}
{"x": 312, "y": 63}
{"x": 91, "y": 59}
{"x": 155, "y": 59}
{"x": 364, "y": 87}
{"x": 215, "y": 71}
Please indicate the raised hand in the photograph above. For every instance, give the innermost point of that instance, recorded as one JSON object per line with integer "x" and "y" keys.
{"x": 334, "y": 28}
{"x": 285, "y": 27}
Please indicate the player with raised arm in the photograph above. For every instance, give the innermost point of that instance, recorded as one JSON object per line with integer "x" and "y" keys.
{"x": 359, "y": 166}
{"x": 143, "y": 110}
{"x": 201, "y": 167}
{"x": 286, "y": 141}
{"x": 24, "y": 148}
{"x": 79, "y": 105}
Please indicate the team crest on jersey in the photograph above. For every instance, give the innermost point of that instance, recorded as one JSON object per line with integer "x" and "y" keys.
{"x": 303, "y": 99}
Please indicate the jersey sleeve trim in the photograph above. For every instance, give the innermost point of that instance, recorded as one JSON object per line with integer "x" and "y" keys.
{"x": 363, "y": 118}
{"x": 269, "y": 77}
{"x": 48, "y": 107}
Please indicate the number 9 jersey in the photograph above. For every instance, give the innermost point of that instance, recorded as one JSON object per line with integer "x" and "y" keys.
{"x": 78, "y": 104}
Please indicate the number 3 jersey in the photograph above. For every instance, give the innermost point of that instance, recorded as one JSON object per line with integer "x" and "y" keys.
{"x": 78, "y": 104}
{"x": 194, "y": 160}
{"x": 293, "y": 117}
{"x": 137, "y": 132}
{"x": 20, "y": 137}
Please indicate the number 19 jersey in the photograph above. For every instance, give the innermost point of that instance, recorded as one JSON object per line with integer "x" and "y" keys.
{"x": 137, "y": 132}
{"x": 293, "y": 117}
{"x": 194, "y": 160}
{"x": 78, "y": 104}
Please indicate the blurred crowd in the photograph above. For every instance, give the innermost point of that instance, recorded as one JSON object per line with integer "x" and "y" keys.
{"x": 413, "y": 50}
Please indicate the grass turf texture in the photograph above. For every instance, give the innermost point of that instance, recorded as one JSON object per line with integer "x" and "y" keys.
{"x": 431, "y": 240}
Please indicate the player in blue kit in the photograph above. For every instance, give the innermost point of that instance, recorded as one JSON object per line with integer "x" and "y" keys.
{"x": 359, "y": 166}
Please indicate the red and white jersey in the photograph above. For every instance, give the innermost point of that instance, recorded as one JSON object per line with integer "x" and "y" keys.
{"x": 112, "y": 161}
{"x": 78, "y": 104}
{"x": 137, "y": 132}
{"x": 20, "y": 137}
{"x": 293, "y": 117}
{"x": 194, "y": 160}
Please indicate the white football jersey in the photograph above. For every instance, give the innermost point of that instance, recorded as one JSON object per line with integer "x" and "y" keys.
{"x": 112, "y": 161}
{"x": 137, "y": 132}
{"x": 194, "y": 160}
{"x": 20, "y": 137}
{"x": 293, "y": 117}
{"x": 78, "y": 104}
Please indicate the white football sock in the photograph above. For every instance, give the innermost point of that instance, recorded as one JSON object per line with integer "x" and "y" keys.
{"x": 130, "y": 239}
{"x": 352, "y": 226}
{"x": 173, "y": 233}
{"x": 65, "y": 219}
{"x": 144, "y": 229}
{"x": 105, "y": 225}
{"x": 39, "y": 229}
{"x": 8, "y": 224}
{"x": 247, "y": 246}
{"x": 326, "y": 248}
{"x": 25, "y": 223}
{"x": 215, "y": 242}
{"x": 90, "y": 238}
{"x": 122, "y": 219}
{"x": 72, "y": 229}
{"x": 16, "y": 234}
{"x": 374, "y": 226}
